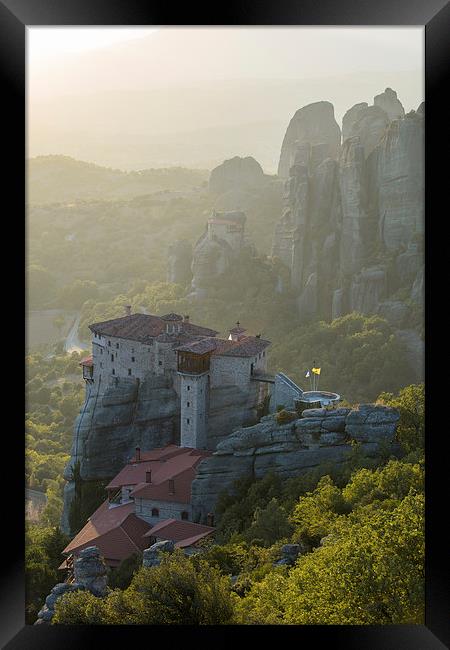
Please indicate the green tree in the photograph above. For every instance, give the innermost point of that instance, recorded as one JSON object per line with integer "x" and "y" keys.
{"x": 269, "y": 524}
{"x": 410, "y": 401}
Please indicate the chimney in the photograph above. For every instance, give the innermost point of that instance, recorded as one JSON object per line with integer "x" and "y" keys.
{"x": 127, "y": 310}
{"x": 138, "y": 453}
{"x": 171, "y": 486}
{"x": 210, "y": 519}
{"x": 148, "y": 476}
{"x": 186, "y": 318}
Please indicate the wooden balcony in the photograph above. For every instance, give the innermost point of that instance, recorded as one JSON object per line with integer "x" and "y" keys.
{"x": 193, "y": 364}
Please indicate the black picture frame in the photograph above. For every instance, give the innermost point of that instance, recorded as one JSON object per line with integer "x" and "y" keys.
{"x": 15, "y": 15}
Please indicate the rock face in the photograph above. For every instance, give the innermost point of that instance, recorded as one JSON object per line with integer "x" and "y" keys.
{"x": 90, "y": 573}
{"x": 399, "y": 181}
{"x": 179, "y": 260}
{"x": 318, "y": 436}
{"x": 236, "y": 174}
{"x": 152, "y": 555}
{"x": 369, "y": 126}
{"x": 389, "y": 102}
{"x": 351, "y": 229}
{"x": 313, "y": 124}
{"x": 145, "y": 415}
{"x": 215, "y": 251}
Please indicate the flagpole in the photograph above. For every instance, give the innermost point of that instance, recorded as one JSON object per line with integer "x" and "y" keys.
{"x": 314, "y": 381}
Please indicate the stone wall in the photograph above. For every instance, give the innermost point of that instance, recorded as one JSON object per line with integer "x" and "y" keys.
{"x": 167, "y": 510}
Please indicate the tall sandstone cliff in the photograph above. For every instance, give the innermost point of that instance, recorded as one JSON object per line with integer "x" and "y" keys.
{"x": 351, "y": 232}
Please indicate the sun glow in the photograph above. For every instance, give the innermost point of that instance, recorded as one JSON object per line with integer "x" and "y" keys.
{"x": 48, "y": 42}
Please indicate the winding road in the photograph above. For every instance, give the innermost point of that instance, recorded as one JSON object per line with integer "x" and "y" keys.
{"x": 73, "y": 343}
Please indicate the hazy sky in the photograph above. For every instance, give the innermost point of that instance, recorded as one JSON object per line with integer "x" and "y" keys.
{"x": 111, "y": 83}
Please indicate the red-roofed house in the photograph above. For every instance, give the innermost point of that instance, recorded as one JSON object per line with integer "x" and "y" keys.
{"x": 152, "y": 492}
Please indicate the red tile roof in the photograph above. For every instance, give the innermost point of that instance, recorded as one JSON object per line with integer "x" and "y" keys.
{"x": 144, "y": 327}
{"x": 170, "y": 463}
{"x": 248, "y": 346}
{"x": 182, "y": 533}
{"x": 198, "y": 347}
{"x": 116, "y": 530}
{"x": 87, "y": 361}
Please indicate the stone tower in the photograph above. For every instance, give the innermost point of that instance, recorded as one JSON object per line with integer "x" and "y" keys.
{"x": 193, "y": 368}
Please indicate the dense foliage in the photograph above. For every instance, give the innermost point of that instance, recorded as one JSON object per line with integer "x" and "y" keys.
{"x": 54, "y": 395}
{"x": 43, "y": 546}
{"x": 359, "y": 527}
{"x": 177, "y": 592}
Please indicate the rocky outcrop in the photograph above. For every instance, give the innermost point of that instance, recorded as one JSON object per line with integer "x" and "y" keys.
{"x": 215, "y": 251}
{"x": 90, "y": 573}
{"x": 152, "y": 556}
{"x": 319, "y": 436}
{"x": 369, "y": 126}
{"x": 354, "y": 202}
{"x": 350, "y": 118}
{"x": 399, "y": 182}
{"x": 368, "y": 289}
{"x": 390, "y": 104}
{"x": 236, "y": 174}
{"x": 179, "y": 260}
{"x": 110, "y": 427}
{"x": 313, "y": 124}
{"x": 351, "y": 229}
{"x": 145, "y": 415}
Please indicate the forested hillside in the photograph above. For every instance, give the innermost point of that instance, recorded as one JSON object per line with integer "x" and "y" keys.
{"x": 360, "y": 533}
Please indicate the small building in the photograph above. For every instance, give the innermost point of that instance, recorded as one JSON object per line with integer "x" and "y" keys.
{"x": 151, "y": 493}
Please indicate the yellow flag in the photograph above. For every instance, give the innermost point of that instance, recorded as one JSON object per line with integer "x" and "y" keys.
{"x": 316, "y": 371}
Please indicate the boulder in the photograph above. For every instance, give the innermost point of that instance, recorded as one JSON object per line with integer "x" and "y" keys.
{"x": 90, "y": 571}
{"x": 152, "y": 555}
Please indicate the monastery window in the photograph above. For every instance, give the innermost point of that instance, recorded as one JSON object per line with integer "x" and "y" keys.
{"x": 188, "y": 404}
{"x": 132, "y": 350}
{"x": 129, "y": 371}
{"x": 112, "y": 357}
{"x": 101, "y": 350}
{"x": 101, "y": 364}
{"x": 185, "y": 515}
{"x": 155, "y": 512}
{"x": 113, "y": 371}
{"x": 109, "y": 343}
{"x": 189, "y": 388}
{"x": 133, "y": 359}
{"x": 159, "y": 363}
{"x": 117, "y": 345}
{"x": 188, "y": 421}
